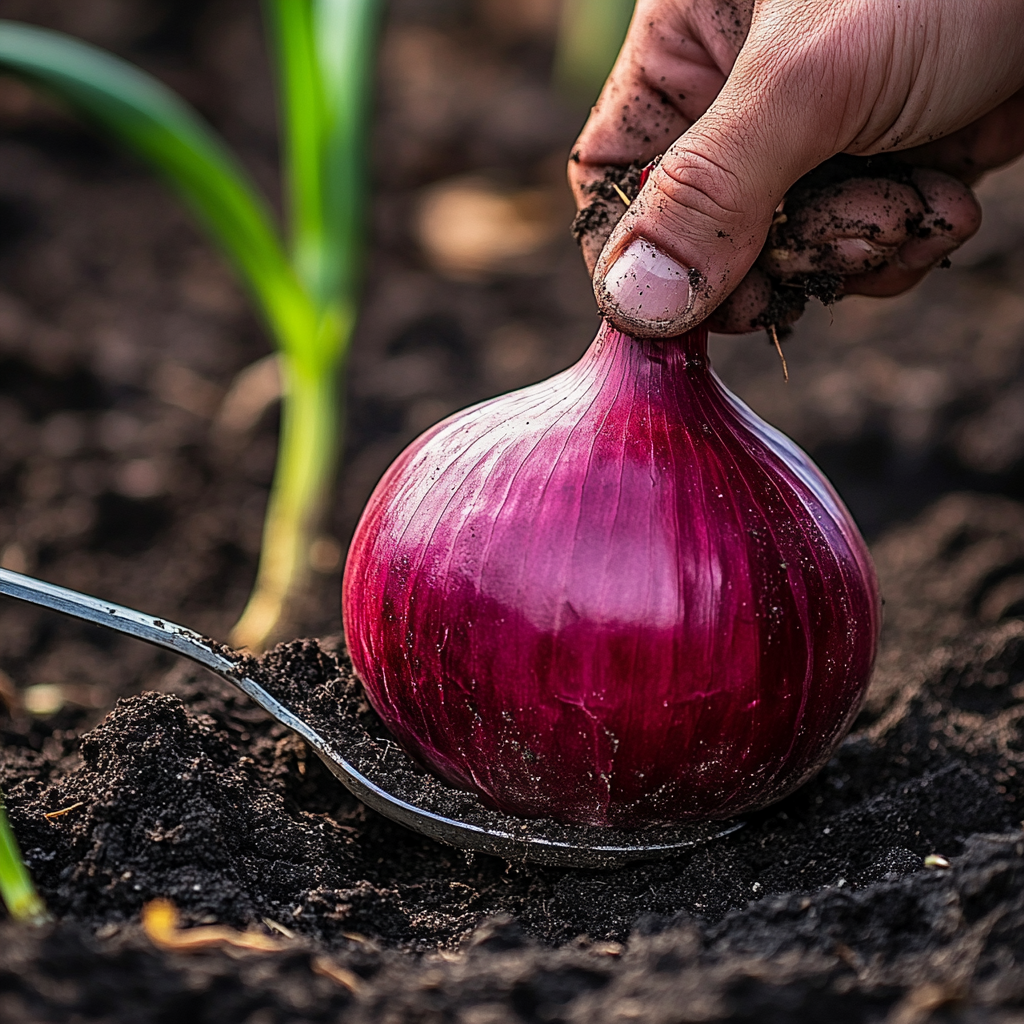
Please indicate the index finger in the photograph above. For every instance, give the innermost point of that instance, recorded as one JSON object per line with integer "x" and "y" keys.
{"x": 674, "y": 62}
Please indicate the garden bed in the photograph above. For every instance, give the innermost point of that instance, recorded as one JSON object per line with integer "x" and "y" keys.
{"x": 120, "y": 336}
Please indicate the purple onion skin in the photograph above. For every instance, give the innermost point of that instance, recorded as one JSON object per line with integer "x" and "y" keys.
{"x": 616, "y": 597}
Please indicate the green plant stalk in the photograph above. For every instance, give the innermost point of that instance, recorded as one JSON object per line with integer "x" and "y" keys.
{"x": 305, "y": 463}
{"x": 324, "y": 63}
{"x": 309, "y": 294}
{"x": 19, "y": 894}
{"x": 308, "y": 445}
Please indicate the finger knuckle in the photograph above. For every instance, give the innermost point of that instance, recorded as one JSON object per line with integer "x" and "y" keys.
{"x": 703, "y": 191}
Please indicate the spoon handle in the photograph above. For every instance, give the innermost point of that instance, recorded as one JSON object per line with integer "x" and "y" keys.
{"x": 172, "y": 637}
{"x": 190, "y": 644}
{"x": 159, "y": 632}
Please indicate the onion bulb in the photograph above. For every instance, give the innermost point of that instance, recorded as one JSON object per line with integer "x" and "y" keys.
{"x": 616, "y": 597}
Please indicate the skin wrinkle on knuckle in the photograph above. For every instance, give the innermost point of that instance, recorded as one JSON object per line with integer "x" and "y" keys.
{"x": 694, "y": 182}
{"x": 885, "y": 82}
{"x": 691, "y": 234}
{"x": 963, "y": 63}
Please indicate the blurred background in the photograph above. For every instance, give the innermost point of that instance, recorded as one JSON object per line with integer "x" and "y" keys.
{"x": 137, "y": 402}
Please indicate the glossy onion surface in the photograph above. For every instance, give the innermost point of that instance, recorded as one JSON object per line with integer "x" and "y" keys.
{"x": 616, "y": 597}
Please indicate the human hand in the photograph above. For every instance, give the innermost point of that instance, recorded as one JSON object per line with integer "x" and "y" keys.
{"x": 745, "y": 100}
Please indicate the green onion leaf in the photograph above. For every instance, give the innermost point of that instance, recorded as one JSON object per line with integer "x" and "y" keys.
{"x": 325, "y": 58}
{"x": 19, "y": 894}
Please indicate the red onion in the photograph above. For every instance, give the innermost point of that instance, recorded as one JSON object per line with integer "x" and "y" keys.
{"x": 616, "y": 597}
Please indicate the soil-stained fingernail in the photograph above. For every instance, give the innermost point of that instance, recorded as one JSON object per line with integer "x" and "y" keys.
{"x": 644, "y": 285}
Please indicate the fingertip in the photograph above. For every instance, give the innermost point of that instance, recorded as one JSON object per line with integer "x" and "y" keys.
{"x": 952, "y": 215}
{"x": 952, "y": 207}
{"x": 674, "y": 256}
{"x": 884, "y": 282}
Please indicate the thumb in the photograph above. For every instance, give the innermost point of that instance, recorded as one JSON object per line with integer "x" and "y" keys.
{"x": 700, "y": 221}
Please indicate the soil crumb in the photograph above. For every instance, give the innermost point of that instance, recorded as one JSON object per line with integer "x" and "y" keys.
{"x": 607, "y": 200}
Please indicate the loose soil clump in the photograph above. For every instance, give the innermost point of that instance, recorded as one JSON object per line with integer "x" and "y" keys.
{"x": 823, "y": 901}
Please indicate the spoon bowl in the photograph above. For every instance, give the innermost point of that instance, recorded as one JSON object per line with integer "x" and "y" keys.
{"x": 502, "y": 835}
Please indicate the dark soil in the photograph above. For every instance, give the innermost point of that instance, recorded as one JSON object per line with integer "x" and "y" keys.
{"x": 603, "y": 206}
{"x": 120, "y": 334}
{"x": 822, "y": 903}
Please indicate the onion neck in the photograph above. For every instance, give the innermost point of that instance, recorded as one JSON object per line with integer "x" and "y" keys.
{"x": 685, "y": 353}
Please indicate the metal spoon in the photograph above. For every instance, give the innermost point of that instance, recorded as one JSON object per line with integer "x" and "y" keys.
{"x": 515, "y": 839}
